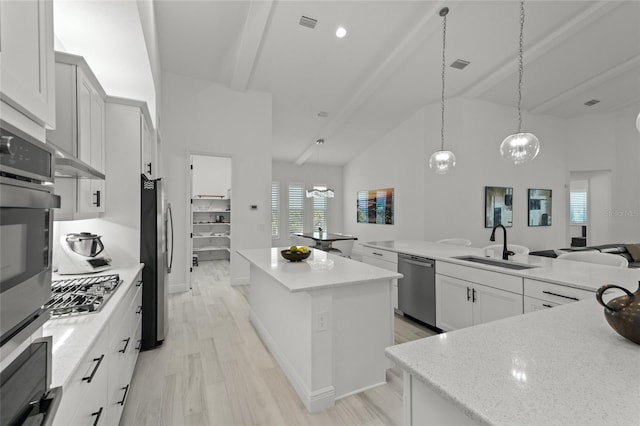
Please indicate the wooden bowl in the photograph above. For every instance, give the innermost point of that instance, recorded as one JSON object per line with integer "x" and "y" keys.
{"x": 294, "y": 257}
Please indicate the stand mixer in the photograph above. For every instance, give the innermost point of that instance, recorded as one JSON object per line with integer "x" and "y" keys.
{"x": 82, "y": 253}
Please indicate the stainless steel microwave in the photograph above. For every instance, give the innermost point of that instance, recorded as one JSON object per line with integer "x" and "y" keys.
{"x": 26, "y": 219}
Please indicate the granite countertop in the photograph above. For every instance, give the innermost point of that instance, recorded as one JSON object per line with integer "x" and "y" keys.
{"x": 318, "y": 271}
{"x": 73, "y": 336}
{"x": 586, "y": 276}
{"x": 562, "y": 366}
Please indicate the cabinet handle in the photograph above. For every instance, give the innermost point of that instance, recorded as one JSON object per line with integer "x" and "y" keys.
{"x": 97, "y": 414}
{"x": 139, "y": 283}
{"x": 473, "y": 295}
{"x": 547, "y": 305}
{"x": 468, "y": 295}
{"x": 139, "y": 309}
{"x": 560, "y": 295}
{"x": 139, "y": 345}
{"x": 89, "y": 378}
{"x": 149, "y": 168}
{"x": 376, "y": 253}
{"x": 124, "y": 397}
{"x": 126, "y": 343}
{"x": 97, "y": 202}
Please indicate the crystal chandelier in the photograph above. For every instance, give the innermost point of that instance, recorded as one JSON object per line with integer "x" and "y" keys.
{"x": 320, "y": 191}
{"x": 520, "y": 147}
{"x": 442, "y": 161}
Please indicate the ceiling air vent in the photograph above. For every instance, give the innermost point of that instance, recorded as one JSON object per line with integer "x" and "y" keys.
{"x": 592, "y": 102}
{"x": 305, "y": 21}
{"x": 459, "y": 64}
{"x": 323, "y": 114}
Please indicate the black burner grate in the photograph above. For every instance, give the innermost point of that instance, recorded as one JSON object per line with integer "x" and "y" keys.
{"x": 81, "y": 295}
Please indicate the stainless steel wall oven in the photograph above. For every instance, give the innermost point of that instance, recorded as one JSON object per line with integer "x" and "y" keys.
{"x": 26, "y": 219}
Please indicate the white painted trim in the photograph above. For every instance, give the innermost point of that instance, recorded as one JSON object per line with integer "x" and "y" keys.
{"x": 316, "y": 401}
{"x": 240, "y": 281}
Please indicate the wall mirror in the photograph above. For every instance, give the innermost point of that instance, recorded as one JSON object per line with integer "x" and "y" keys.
{"x": 498, "y": 202}
{"x": 539, "y": 207}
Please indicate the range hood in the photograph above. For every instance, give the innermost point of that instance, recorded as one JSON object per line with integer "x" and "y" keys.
{"x": 68, "y": 166}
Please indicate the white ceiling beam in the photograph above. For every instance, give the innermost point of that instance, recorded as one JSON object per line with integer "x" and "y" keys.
{"x": 609, "y": 74}
{"x": 252, "y": 35}
{"x": 370, "y": 85}
{"x": 531, "y": 53}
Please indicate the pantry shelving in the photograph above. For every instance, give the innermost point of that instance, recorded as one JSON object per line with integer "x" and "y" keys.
{"x": 210, "y": 227}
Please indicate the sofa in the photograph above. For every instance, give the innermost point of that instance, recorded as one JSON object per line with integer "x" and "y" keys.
{"x": 631, "y": 252}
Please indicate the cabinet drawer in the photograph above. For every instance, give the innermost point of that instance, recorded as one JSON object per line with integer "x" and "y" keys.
{"x": 532, "y": 305}
{"x": 126, "y": 309}
{"x": 376, "y": 253}
{"x": 497, "y": 280}
{"x": 557, "y": 293}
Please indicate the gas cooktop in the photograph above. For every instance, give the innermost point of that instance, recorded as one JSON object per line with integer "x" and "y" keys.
{"x": 75, "y": 296}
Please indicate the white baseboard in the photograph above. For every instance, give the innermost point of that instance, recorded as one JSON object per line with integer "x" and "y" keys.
{"x": 316, "y": 401}
{"x": 364, "y": 389}
{"x": 240, "y": 281}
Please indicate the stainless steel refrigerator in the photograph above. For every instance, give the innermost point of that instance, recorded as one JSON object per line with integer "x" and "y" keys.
{"x": 156, "y": 252}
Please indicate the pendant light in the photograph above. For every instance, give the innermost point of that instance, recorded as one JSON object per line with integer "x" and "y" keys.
{"x": 442, "y": 161}
{"x": 520, "y": 147}
{"x": 320, "y": 191}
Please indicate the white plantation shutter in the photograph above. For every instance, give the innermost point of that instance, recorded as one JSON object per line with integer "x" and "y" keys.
{"x": 275, "y": 210}
{"x": 296, "y": 207}
{"x": 578, "y": 202}
{"x": 320, "y": 211}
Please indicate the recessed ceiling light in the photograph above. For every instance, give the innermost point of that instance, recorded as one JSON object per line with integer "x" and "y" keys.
{"x": 341, "y": 32}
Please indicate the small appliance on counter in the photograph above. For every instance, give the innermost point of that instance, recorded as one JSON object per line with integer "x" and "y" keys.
{"x": 82, "y": 253}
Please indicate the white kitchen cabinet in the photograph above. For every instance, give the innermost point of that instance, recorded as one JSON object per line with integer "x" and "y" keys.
{"x": 148, "y": 157}
{"x": 27, "y": 59}
{"x": 532, "y": 304}
{"x": 80, "y": 132}
{"x": 211, "y": 228}
{"x": 462, "y": 303}
{"x": 386, "y": 260}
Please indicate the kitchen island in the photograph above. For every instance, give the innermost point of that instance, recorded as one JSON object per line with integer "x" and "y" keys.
{"x": 326, "y": 320}
{"x": 562, "y": 366}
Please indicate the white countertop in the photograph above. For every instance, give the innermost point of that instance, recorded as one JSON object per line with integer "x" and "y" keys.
{"x": 563, "y": 366}
{"x": 581, "y": 275}
{"x": 320, "y": 270}
{"x": 74, "y": 335}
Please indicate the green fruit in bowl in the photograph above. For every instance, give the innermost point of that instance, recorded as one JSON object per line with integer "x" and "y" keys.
{"x": 293, "y": 249}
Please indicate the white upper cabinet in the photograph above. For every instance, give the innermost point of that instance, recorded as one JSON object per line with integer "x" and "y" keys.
{"x": 80, "y": 131}
{"x": 148, "y": 162}
{"x": 27, "y": 58}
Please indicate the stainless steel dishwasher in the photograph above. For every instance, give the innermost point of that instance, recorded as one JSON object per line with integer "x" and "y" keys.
{"x": 417, "y": 288}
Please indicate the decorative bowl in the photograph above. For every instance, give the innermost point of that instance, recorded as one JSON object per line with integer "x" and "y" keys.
{"x": 294, "y": 257}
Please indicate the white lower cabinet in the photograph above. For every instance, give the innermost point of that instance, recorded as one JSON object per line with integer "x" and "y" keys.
{"x": 532, "y": 304}
{"x": 97, "y": 393}
{"x": 462, "y": 303}
{"x": 386, "y": 260}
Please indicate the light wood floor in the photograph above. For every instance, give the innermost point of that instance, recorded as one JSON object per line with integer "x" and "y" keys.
{"x": 214, "y": 370}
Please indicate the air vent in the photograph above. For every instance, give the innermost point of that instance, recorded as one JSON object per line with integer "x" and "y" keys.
{"x": 592, "y": 102}
{"x": 305, "y": 21}
{"x": 459, "y": 64}
{"x": 323, "y": 114}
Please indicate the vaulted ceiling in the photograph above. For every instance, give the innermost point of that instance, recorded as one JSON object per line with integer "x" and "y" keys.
{"x": 388, "y": 65}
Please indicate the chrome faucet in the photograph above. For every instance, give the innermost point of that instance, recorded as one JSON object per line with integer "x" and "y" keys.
{"x": 505, "y": 252}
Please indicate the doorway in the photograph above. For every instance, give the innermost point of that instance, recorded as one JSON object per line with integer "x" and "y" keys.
{"x": 210, "y": 204}
{"x": 590, "y": 207}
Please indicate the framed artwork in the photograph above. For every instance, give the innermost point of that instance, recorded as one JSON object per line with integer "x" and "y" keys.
{"x": 498, "y": 206}
{"x": 375, "y": 206}
{"x": 539, "y": 207}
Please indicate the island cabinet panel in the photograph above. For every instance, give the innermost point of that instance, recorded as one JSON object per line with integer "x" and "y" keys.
{"x": 386, "y": 260}
{"x": 556, "y": 293}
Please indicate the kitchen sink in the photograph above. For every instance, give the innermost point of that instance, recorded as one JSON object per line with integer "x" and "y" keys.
{"x": 494, "y": 262}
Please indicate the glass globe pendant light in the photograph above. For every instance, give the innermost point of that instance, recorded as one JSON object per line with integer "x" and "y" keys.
{"x": 520, "y": 147}
{"x": 442, "y": 161}
{"x": 320, "y": 191}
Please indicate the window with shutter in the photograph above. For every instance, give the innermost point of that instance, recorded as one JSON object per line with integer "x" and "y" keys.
{"x": 275, "y": 210}
{"x": 296, "y": 207}
{"x": 578, "y": 203}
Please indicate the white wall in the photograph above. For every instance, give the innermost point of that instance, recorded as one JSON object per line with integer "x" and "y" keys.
{"x": 200, "y": 117}
{"x": 600, "y": 142}
{"x": 309, "y": 175}
{"x": 211, "y": 175}
{"x": 146, "y": 11}
{"x": 395, "y": 161}
{"x": 430, "y": 206}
